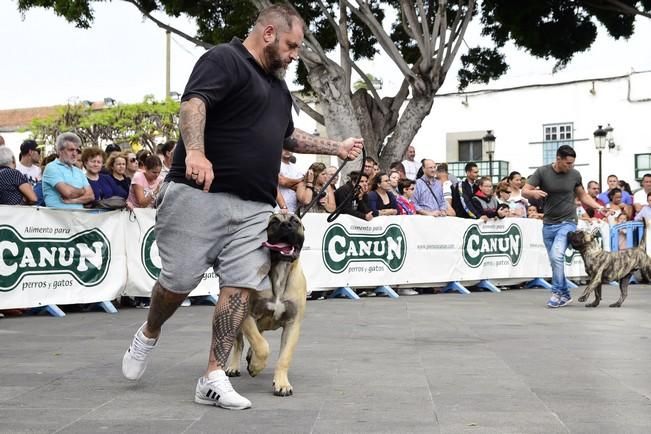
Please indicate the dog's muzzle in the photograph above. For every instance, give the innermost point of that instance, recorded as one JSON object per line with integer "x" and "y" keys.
{"x": 287, "y": 251}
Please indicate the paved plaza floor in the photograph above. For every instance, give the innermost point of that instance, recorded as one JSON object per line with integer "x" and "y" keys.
{"x": 444, "y": 363}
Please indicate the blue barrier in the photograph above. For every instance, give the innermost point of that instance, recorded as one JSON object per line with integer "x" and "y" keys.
{"x": 634, "y": 235}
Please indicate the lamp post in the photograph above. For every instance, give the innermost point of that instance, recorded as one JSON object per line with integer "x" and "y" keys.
{"x": 489, "y": 146}
{"x": 600, "y": 144}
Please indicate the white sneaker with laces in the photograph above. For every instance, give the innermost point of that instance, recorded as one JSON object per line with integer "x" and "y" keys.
{"x": 217, "y": 390}
{"x": 134, "y": 361}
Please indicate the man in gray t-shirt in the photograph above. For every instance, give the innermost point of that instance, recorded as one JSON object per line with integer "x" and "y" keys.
{"x": 558, "y": 184}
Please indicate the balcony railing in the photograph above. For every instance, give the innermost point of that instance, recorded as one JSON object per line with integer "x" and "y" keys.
{"x": 500, "y": 169}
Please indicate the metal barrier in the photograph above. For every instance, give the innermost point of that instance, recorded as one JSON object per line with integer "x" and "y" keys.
{"x": 634, "y": 232}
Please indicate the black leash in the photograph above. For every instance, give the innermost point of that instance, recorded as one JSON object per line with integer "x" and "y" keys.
{"x": 333, "y": 216}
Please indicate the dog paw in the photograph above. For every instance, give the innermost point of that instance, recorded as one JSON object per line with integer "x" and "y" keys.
{"x": 616, "y": 305}
{"x": 283, "y": 389}
{"x": 255, "y": 365}
{"x": 232, "y": 372}
{"x": 582, "y": 299}
{"x": 593, "y": 304}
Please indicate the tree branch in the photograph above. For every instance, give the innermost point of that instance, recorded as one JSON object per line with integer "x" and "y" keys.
{"x": 318, "y": 117}
{"x": 617, "y": 6}
{"x": 401, "y": 96}
{"x": 442, "y": 17}
{"x": 370, "y": 87}
{"x": 423, "y": 22}
{"x": 364, "y": 13}
{"x": 466, "y": 20}
{"x": 169, "y": 28}
{"x": 409, "y": 12}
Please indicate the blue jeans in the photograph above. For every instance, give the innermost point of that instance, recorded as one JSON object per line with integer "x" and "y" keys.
{"x": 555, "y": 238}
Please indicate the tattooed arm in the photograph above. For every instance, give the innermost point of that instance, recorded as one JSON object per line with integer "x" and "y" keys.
{"x": 192, "y": 124}
{"x": 305, "y": 143}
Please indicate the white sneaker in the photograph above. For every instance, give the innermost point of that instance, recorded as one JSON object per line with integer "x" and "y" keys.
{"x": 217, "y": 390}
{"x": 134, "y": 361}
{"x": 186, "y": 303}
{"x": 407, "y": 291}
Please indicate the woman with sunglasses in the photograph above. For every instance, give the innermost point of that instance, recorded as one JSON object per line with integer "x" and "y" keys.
{"x": 132, "y": 165}
{"x": 406, "y": 189}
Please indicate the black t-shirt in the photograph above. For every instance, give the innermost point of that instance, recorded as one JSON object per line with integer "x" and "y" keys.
{"x": 248, "y": 116}
{"x": 561, "y": 188}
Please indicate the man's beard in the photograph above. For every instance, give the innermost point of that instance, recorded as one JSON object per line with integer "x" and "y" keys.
{"x": 275, "y": 64}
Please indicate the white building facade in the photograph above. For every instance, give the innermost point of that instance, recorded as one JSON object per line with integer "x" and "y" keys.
{"x": 531, "y": 121}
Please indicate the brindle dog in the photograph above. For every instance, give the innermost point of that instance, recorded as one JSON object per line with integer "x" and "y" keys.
{"x": 283, "y": 306}
{"x": 606, "y": 267}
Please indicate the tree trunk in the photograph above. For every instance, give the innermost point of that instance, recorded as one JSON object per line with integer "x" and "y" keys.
{"x": 375, "y": 125}
{"x": 328, "y": 82}
{"x": 410, "y": 122}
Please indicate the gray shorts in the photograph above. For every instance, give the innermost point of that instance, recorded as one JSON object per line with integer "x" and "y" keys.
{"x": 197, "y": 230}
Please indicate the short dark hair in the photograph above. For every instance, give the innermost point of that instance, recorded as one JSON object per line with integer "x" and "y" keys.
{"x": 370, "y": 160}
{"x": 280, "y": 15}
{"x": 353, "y": 176}
{"x": 376, "y": 180}
{"x": 612, "y": 193}
{"x": 152, "y": 162}
{"x": 513, "y": 175}
{"x": 646, "y": 175}
{"x": 112, "y": 147}
{"x": 164, "y": 148}
{"x": 592, "y": 182}
{"x": 442, "y": 168}
{"x": 469, "y": 166}
{"x": 404, "y": 183}
{"x": 565, "y": 151}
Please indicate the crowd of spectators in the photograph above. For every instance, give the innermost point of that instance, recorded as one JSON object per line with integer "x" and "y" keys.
{"x": 427, "y": 188}
{"x": 76, "y": 178}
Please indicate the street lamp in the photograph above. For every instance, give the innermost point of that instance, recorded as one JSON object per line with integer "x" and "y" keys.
{"x": 610, "y": 141}
{"x": 489, "y": 146}
{"x": 600, "y": 141}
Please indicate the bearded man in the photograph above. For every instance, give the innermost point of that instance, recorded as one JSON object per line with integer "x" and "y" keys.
{"x": 235, "y": 120}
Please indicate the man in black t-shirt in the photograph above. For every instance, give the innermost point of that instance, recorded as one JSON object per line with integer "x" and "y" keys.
{"x": 235, "y": 119}
{"x": 558, "y": 183}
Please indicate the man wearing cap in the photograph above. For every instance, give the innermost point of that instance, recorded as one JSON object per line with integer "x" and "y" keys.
{"x": 30, "y": 158}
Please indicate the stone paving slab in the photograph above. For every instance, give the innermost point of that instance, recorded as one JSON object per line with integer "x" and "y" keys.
{"x": 445, "y": 363}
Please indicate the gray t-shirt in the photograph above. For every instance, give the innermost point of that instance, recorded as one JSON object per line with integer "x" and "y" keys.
{"x": 559, "y": 204}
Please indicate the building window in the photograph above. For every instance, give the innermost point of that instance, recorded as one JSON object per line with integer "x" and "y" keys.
{"x": 554, "y": 136}
{"x": 470, "y": 150}
{"x": 642, "y": 165}
{"x": 500, "y": 169}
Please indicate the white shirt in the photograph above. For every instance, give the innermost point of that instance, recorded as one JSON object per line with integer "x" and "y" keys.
{"x": 289, "y": 170}
{"x": 638, "y": 197}
{"x": 411, "y": 169}
{"x": 33, "y": 172}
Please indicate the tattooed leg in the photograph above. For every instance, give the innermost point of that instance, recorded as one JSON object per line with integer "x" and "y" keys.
{"x": 163, "y": 304}
{"x": 230, "y": 312}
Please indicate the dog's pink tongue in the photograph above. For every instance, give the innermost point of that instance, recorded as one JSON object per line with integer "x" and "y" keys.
{"x": 283, "y": 248}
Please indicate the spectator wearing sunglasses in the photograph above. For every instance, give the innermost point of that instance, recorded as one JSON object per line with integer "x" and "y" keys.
{"x": 64, "y": 184}
{"x": 132, "y": 165}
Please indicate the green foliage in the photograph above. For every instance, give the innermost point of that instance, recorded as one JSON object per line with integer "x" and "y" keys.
{"x": 141, "y": 124}
{"x": 555, "y": 29}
